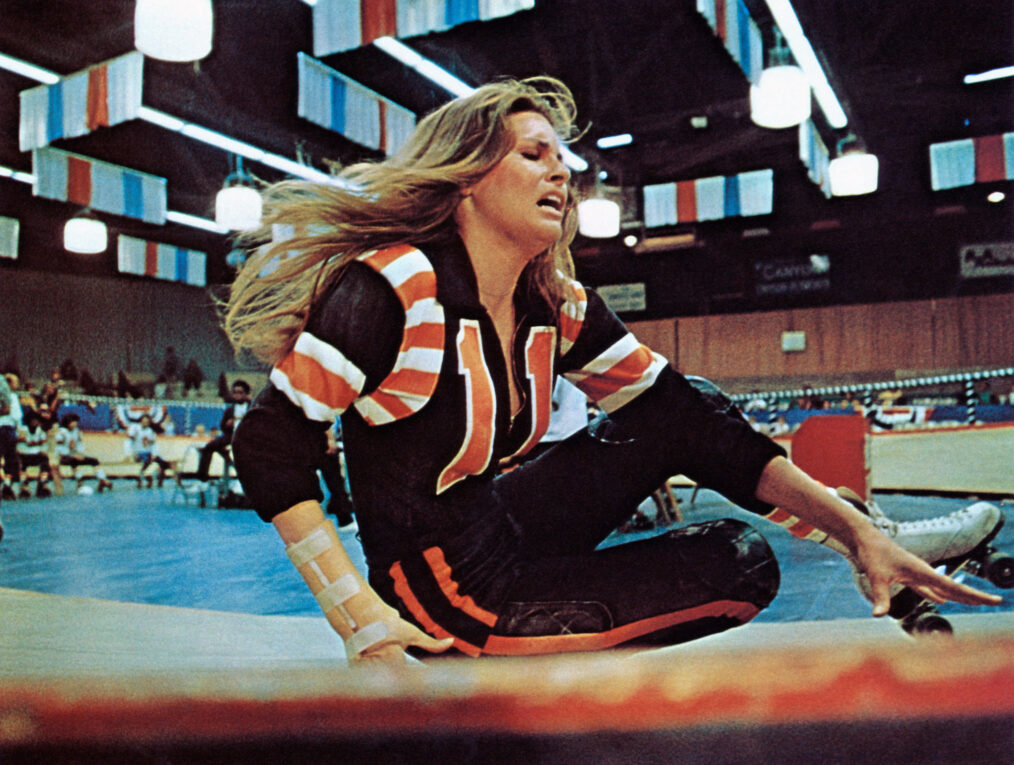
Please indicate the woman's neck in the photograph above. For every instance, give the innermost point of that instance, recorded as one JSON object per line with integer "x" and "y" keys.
{"x": 497, "y": 265}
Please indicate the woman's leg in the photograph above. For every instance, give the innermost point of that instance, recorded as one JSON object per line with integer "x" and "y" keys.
{"x": 678, "y": 586}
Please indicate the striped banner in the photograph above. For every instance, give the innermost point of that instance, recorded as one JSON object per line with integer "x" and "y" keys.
{"x": 745, "y": 194}
{"x": 340, "y": 25}
{"x": 332, "y": 100}
{"x": 815, "y": 156}
{"x": 10, "y": 229}
{"x": 732, "y": 23}
{"x": 102, "y": 186}
{"x": 971, "y": 160}
{"x": 102, "y": 95}
{"x": 161, "y": 261}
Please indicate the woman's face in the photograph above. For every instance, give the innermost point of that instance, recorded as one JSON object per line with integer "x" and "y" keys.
{"x": 524, "y": 196}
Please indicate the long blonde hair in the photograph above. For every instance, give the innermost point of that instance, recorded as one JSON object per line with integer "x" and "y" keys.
{"x": 408, "y": 198}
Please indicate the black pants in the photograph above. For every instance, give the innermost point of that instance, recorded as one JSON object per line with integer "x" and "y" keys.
{"x": 526, "y": 577}
{"x": 219, "y": 444}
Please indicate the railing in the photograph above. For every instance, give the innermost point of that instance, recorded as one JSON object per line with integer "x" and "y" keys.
{"x": 963, "y": 408}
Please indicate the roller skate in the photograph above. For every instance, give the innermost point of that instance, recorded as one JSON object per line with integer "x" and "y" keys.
{"x": 954, "y": 544}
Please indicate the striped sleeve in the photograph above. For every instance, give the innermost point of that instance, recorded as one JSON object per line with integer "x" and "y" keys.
{"x": 318, "y": 378}
{"x": 600, "y": 355}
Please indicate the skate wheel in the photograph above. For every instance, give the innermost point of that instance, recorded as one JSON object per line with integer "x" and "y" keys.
{"x": 999, "y": 569}
{"x": 930, "y": 624}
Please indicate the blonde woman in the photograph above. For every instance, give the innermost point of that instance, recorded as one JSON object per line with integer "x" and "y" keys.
{"x": 429, "y": 301}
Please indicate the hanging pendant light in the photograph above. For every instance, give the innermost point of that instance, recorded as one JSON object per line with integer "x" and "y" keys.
{"x": 781, "y": 97}
{"x": 598, "y": 218}
{"x": 853, "y": 171}
{"x": 238, "y": 204}
{"x": 173, "y": 30}
{"x": 85, "y": 234}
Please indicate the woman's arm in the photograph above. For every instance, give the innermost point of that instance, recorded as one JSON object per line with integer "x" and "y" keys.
{"x": 371, "y": 629}
{"x": 882, "y": 560}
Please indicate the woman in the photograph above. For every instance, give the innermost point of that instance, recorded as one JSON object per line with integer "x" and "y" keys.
{"x": 429, "y": 301}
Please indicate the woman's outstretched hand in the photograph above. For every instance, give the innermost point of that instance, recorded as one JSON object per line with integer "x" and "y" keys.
{"x": 885, "y": 563}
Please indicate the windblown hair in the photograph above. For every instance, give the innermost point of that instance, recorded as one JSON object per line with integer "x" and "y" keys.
{"x": 409, "y": 198}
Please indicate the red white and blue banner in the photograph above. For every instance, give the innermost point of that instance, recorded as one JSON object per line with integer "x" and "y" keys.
{"x": 340, "y": 25}
{"x": 971, "y": 160}
{"x": 9, "y": 231}
{"x": 339, "y": 103}
{"x": 102, "y": 95}
{"x": 745, "y": 194}
{"x": 161, "y": 261}
{"x": 732, "y": 23}
{"x": 110, "y": 188}
{"x": 814, "y": 154}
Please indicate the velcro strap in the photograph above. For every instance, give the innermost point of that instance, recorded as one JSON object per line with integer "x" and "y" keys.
{"x": 366, "y": 638}
{"x": 308, "y": 548}
{"x": 337, "y": 592}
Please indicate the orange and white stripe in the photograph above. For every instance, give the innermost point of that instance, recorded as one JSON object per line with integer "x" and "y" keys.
{"x": 412, "y": 380}
{"x": 480, "y": 403}
{"x": 316, "y": 377}
{"x": 620, "y": 374}
{"x": 572, "y": 314}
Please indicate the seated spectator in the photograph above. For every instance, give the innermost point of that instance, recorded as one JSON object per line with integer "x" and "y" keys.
{"x": 144, "y": 447}
{"x": 32, "y": 443}
{"x": 68, "y": 370}
{"x": 70, "y": 447}
{"x": 192, "y": 377}
{"x": 230, "y": 418}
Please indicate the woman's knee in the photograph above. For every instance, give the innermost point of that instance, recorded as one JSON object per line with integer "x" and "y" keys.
{"x": 732, "y": 559}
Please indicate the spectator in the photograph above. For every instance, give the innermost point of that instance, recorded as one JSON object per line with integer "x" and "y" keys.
{"x": 10, "y": 421}
{"x": 32, "y": 443}
{"x": 192, "y": 377}
{"x": 70, "y": 447}
{"x": 171, "y": 366}
{"x": 68, "y": 370}
{"x": 230, "y": 418}
{"x": 144, "y": 447}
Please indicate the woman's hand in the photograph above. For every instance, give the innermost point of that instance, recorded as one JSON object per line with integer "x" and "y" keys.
{"x": 401, "y": 635}
{"x": 885, "y": 563}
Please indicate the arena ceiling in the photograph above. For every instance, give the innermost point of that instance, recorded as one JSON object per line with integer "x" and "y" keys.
{"x": 644, "y": 67}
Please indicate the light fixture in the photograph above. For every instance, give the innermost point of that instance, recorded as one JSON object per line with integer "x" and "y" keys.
{"x": 995, "y": 197}
{"x": 85, "y": 234}
{"x": 598, "y": 218}
{"x": 238, "y": 204}
{"x": 992, "y": 74}
{"x": 439, "y": 76}
{"x": 781, "y": 97}
{"x": 173, "y": 30}
{"x": 614, "y": 141}
{"x": 788, "y": 24}
{"x": 853, "y": 171}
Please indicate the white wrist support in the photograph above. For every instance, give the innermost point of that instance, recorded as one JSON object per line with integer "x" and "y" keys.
{"x": 332, "y": 596}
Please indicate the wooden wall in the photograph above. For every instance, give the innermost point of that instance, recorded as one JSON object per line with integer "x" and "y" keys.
{"x": 875, "y": 340}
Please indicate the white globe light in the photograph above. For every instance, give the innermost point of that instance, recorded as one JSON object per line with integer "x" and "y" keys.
{"x": 598, "y": 218}
{"x": 173, "y": 30}
{"x": 781, "y": 98}
{"x": 85, "y": 235}
{"x": 238, "y": 208}
{"x": 853, "y": 173}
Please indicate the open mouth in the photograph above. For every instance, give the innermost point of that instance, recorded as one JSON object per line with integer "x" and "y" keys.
{"x": 552, "y": 202}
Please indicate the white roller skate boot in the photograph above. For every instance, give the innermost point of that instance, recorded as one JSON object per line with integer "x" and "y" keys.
{"x": 935, "y": 540}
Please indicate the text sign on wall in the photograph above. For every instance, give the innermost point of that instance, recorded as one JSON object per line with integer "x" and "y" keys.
{"x": 624, "y": 297}
{"x": 984, "y": 260}
{"x": 793, "y": 276}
